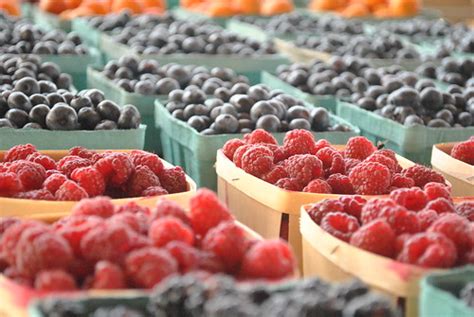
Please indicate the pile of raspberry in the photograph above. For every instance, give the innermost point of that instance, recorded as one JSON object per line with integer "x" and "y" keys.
{"x": 304, "y": 164}
{"x": 100, "y": 246}
{"x": 26, "y": 173}
{"x": 464, "y": 151}
{"x": 418, "y": 226}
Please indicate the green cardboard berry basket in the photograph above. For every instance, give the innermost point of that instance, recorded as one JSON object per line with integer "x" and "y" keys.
{"x": 88, "y": 34}
{"x": 60, "y": 140}
{"x": 49, "y": 21}
{"x": 440, "y": 294}
{"x": 196, "y": 153}
{"x": 185, "y": 14}
{"x": 414, "y": 143}
{"x": 171, "y": 4}
{"x": 26, "y": 9}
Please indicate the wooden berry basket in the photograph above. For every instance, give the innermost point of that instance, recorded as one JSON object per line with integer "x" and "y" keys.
{"x": 264, "y": 207}
{"x": 46, "y": 210}
{"x": 458, "y": 173}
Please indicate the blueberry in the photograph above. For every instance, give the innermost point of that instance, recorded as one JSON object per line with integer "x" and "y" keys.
{"x": 129, "y": 117}
{"x": 106, "y": 125}
{"x": 38, "y": 114}
{"x": 18, "y": 100}
{"x": 62, "y": 117}
{"x": 80, "y": 102}
{"x": 17, "y": 117}
{"x": 5, "y": 123}
{"x": 27, "y": 85}
{"x": 108, "y": 110}
{"x": 269, "y": 123}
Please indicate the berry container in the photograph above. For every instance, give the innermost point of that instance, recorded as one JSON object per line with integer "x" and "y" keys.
{"x": 87, "y": 33}
{"x": 334, "y": 260}
{"x": 59, "y": 140}
{"x": 196, "y": 153}
{"x": 414, "y": 143}
{"x": 49, "y": 21}
{"x": 269, "y": 210}
{"x": 458, "y": 173}
{"x": 439, "y": 293}
{"x": 190, "y": 15}
{"x": 50, "y": 210}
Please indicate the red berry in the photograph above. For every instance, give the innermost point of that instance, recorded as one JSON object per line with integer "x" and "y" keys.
{"x": 53, "y": 182}
{"x": 275, "y": 174}
{"x": 116, "y": 168}
{"x": 257, "y": 160}
{"x": 400, "y": 219}
{"x": 74, "y": 227}
{"x": 43, "y": 160}
{"x": 340, "y": 184}
{"x": 464, "y": 151}
{"x": 400, "y": 181}
{"x": 322, "y": 208}
{"x": 206, "y": 211}
{"x": 370, "y": 178}
{"x": 437, "y": 190}
{"x": 186, "y": 256}
{"x": 231, "y": 146}
{"x": 400, "y": 242}
{"x": 98, "y": 206}
{"x": 239, "y": 153}
{"x": 333, "y": 161}
{"x": 68, "y": 164}
{"x": 466, "y": 209}
{"x": 340, "y": 225}
{"x": 30, "y": 174}
{"x": 373, "y": 208}
{"x": 384, "y": 160}
{"x": 154, "y": 191}
{"x": 173, "y": 180}
{"x": 456, "y": 228}
{"x": 19, "y": 152}
{"x": 38, "y": 194}
{"x": 320, "y": 144}
{"x": 90, "y": 179}
{"x": 376, "y": 237}
{"x": 350, "y": 164}
{"x": 10, "y": 184}
{"x": 289, "y": 184}
{"x": 169, "y": 208}
{"x": 108, "y": 275}
{"x": 279, "y": 153}
{"x": 136, "y": 221}
{"x": 151, "y": 160}
{"x": 429, "y": 250}
{"x": 148, "y": 266}
{"x": 164, "y": 230}
{"x": 299, "y": 142}
{"x": 423, "y": 175}
{"x": 70, "y": 191}
{"x": 54, "y": 281}
{"x": 81, "y": 152}
{"x": 359, "y": 148}
{"x": 440, "y": 205}
{"x": 5, "y": 223}
{"x": 353, "y": 205}
{"x": 388, "y": 153}
{"x": 426, "y": 218}
{"x": 133, "y": 207}
{"x": 260, "y": 136}
{"x": 304, "y": 167}
{"x": 141, "y": 179}
{"x": 318, "y": 186}
{"x": 11, "y": 236}
{"x": 228, "y": 242}
{"x": 209, "y": 262}
{"x": 270, "y": 259}
{"x": 412, "y": 199}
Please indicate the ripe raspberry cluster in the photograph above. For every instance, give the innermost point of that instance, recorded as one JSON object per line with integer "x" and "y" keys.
{"x": 100, "y": 246}
{"x": 464, "y": 151}
{"x": 304, "y": 164}
{"x": 417, "y": 226}
{"x": 27, "y": 174}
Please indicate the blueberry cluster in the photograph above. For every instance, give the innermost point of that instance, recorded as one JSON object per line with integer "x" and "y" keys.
{"x": 453, "y": 71}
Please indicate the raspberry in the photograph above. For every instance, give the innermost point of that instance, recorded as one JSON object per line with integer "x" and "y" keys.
{"x": 400, "y": 242}
{"x": 209, "y": 262}
{"x": 9, "y": 184}
{"x": 116, "y": 168}
{"x": 151, "y": 160}
{"x": 440, "y": 205}
{"x": 279, "y": 153}
{"x": 54, "y": 281}
{"x": 269, "y": 259}
{"x": 456, "y": 228}
{"x": 154, "y": 191}
{"x": 186, "y": 256}
{"x": 169, "y": 208}
{"x": 5, "y": 223}
{"x": 138, "y": 222}
{"x": 148, "y": 266}
{"x": 429, "y": 250}
{"x": 388, "y": 153}
{"x": 299, "y": 142}
{"x": 464, "y": 151}
{"x": 318, "y": 186}
{"x": 43, "y": 160}
{"x": 376, "y": 237}
{"x": 400, "y": 219}
{"x": 359, "y": 148}
{"x": 412, "y": 199}
{"x": 289, "y": 184}
{"x": 53, "y": 182}
{"x": 304, "y": 167}
{"x": 30, "y": 174}
{"x": 90, "y": 179}
{"x": 239, "y": 153}
{"x": 257, "y": 160}
{"x": 19, "y": 152}
{"x": 38, "y": 194}
{"x": 68, "y": 164}
{"x": 422, "y": 175}
{"x": 206, "y": 211}
{"x": 98, "y": 206}
{"x": 11, "y": 236}
{"x": 260, "y": 136}
{"x": 466, "y": 209}
{"x": 400, "y": 181}
{"x": 353, "y": 205}
{"x": 333, "y": 162}
{"x": 70, "y": 191}
{"x": 350, "y": 164}
{"x": 164, "y": 230}
{"x": 108, "y": 275}
{"x": 320, "y": 144}
{"x": 73, "y": 228}
{"x": 46, "y": 251}
{"x": 52, "y": 172}
{"x": 340, "y": 184}
{"x": 373, "y": 208}
{"x": 141, "y": 179}
{"x": 426, "y": 218}
{"x": 370, "y": 178}
{"x": 278, "y": 172}
{"x": 81, "y": 152}
{"x": 174, "y": 180}
{"x": 384, "y": 160}
{"x": 437, "y": 190}
{"x": 231, "y": 146}
{"x": 340, "y": 225}
{"x": 133, "y": 207}
{"x": 322, "y": 208}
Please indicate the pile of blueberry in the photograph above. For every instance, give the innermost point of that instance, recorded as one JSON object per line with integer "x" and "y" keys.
{"x": 243, "y": 108}
{"x": 148, "y": 77}
{"x": 422, "y": 28}
{"x": 453, "y": 71}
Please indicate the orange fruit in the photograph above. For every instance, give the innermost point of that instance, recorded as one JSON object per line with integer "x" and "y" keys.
{"x": 220, "y": 9}
{"x": 10, "y": 7}
{"x": 403, "y": 8}
{"x": 354, "y": 10}
{"x": 383, "y": 12}
{"x": 274, "y": 7}
{"x": 327, "y": 5}
{"x": 153, "y": 3}
{"x": 134, "y": 6}
{"x": 247, "y": 6}
{"x": 53, "y": 6}
{"x": 72, "y": 4}
{"x": 372, "y": 4}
